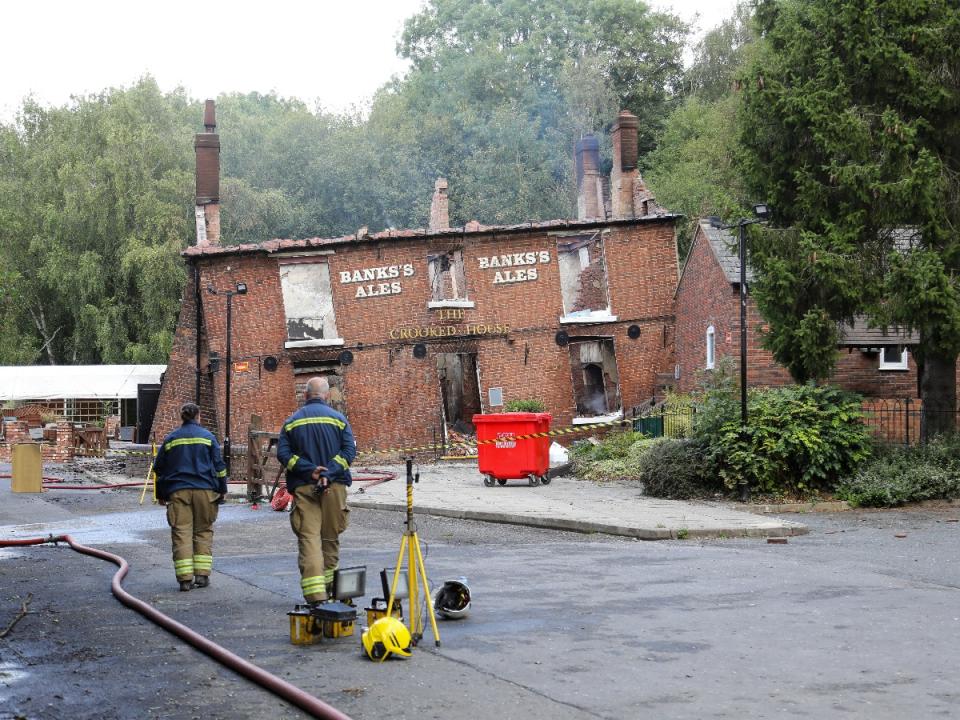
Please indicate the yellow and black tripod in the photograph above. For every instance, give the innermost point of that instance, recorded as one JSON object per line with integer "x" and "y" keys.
{"x": 416, "y": 572}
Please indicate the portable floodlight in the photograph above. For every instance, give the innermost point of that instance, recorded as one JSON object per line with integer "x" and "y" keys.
{"x": 403, "y": 587}
{"x": 349, "y": 583}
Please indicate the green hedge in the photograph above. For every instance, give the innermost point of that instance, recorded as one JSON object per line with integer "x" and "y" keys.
{"x": 903, "y": 475}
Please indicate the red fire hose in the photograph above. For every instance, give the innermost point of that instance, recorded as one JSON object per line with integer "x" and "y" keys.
{"x": 281, "y": 688}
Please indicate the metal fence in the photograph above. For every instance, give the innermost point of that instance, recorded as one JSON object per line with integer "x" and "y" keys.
{"x": 892, "y": 421}
{"x": 902, "y": 422}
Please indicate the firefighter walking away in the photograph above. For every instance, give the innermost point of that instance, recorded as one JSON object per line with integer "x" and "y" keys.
{"x": 191, "y": 482}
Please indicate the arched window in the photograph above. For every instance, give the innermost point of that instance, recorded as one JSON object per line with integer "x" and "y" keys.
{"x": 711, "y": 348}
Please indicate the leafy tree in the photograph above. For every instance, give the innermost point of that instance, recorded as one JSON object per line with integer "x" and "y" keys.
{"x": 95, "y": 210}
{"x": 503, "y": 48}
{"x": 719, "y": 56}
{"x": 851, "y": 114}
{"x": 692, "y": 169}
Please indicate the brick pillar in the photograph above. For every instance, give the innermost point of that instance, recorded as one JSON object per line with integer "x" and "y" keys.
{"x": 62, "y": 450}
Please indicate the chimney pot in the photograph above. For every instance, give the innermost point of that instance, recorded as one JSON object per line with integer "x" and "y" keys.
{"x": 210, "y": 116}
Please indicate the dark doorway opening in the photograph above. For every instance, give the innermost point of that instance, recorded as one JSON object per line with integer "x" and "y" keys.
{"x": 460, "y": 391}
{"x": 147, "y": 398}
{"x": 332, "y": 370}
{"x": 596, "y": 382}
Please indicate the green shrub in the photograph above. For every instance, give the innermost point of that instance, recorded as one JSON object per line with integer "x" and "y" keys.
{"x": 902, "y": 475}
{"x": 677, "y": 469}
{"x": 799, "y": 439}
{"x": 528, "y": 405}
{"x": 616, "y": 457}
{"x": 717, "y": 402}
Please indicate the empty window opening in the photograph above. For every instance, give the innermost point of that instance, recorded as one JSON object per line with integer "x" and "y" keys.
{"x": 596, "y": 382}
{"x": 447, "y": 281}
{"x": 308, "y": 302}
{"x": 460, "y": 391}
{"x": 711, "y": 348}
{"x": 583, "y": 276}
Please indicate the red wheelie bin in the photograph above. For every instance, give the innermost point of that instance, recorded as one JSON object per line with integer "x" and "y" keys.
{"x": 510, "y": 456}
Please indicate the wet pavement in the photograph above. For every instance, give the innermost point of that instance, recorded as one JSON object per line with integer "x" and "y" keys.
{"x": 858, "y": 618}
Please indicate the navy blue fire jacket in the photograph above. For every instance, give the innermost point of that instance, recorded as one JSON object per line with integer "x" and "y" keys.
{"x": 189, "y": 457}
{"x": 316, "y": 435}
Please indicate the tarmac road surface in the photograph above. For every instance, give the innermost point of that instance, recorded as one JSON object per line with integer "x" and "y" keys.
{"x": 847, "y": 621}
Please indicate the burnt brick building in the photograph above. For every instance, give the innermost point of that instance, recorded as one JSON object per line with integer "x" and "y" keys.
{"x": 417, "y": 330}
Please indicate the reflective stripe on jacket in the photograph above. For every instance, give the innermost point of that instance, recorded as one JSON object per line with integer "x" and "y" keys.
{"x": 314, "y": 435}
{"x": 189, "y": 457}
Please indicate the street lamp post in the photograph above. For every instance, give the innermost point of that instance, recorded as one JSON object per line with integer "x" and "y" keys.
{"x": 241, "y": 289}
{"x": 761, "y": 212}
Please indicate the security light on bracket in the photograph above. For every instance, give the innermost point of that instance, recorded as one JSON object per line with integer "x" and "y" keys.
{"x": 241, "y": 288}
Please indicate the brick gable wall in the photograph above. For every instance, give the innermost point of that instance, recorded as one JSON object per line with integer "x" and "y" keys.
{"x": 705, "y": 297}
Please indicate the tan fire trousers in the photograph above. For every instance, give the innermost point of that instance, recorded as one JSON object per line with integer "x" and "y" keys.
{"x": 191, "y": 514}
{"x": 317, "y": 521}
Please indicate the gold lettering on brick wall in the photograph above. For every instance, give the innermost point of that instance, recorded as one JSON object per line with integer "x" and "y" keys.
{"x": 383, "y": 273}
{"x": 525, "y": 260}
{"x": 436, "y": 331}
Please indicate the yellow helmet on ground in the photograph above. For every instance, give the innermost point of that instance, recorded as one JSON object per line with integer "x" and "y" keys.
{"x": 386, "y": 636}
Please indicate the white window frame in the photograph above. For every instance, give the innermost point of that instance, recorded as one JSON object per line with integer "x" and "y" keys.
{"x": 711, "y": 339}
{"x": 902, "y": 364}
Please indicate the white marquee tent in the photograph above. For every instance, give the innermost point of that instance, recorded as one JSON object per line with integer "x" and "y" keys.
{"x": 66, "y": 382}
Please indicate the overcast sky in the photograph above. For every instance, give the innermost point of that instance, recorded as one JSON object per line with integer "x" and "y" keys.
{"x": 337, "y": 53}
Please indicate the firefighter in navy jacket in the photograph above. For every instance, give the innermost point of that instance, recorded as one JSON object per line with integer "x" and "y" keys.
{"x": 316, "y": 447}
{"x": 191, "y": 482}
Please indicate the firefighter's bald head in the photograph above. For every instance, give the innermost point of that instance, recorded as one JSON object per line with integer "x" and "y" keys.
{"x": 318, "y": 387}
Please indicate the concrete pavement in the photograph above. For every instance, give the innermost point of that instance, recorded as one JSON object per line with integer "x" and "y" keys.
{"x": 456, "y": 490}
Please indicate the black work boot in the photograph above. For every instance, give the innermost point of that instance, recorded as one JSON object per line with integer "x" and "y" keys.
{"x": 185, "y": 585}
{"x": 201, "y": 581}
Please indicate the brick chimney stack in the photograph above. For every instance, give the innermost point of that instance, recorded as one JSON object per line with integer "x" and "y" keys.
{"x": 207, "y": 148}
{"x": 629, "y": 197}
{"x": 440, "y": 207}
{"x": 624, "y": 173}
{"x": 590, "y": 204}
